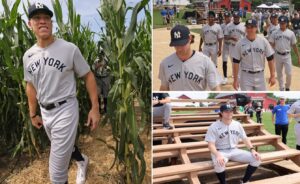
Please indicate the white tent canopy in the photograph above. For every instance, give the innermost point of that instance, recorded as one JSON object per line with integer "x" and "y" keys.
{"x": 263, "y": 6}
{"x": 274, "y": 6}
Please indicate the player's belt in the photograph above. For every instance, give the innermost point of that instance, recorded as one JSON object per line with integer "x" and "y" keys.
{"x": 282, "y": 53}
{"x": 225, "y": 149}
{"x": 211, "y": 44}
{"x": 53, "y": 105}
{"x": 252, "y": 72}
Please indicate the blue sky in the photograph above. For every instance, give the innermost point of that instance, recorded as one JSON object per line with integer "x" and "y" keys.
{"x": 86, "y": 8}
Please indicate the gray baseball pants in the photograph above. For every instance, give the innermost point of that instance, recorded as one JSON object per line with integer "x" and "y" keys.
{"x": 237, "y": 155}
{"x": 60, "y": 125}
{"x": 163, "y": 111}
{"x": 286, "y": 63}
{"x": 252, "y": 81}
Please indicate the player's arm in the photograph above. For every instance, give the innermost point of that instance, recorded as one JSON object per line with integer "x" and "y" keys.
{"x": 249, "y": 145}
{"x": 271, "y": 65}
{"x": 164, "y": 88}
{"x": 32, "y": 103}
{"x": 219, "y": 157}
{"x": 220, "y": 46}
{"x": 236, "y": 65}
{"x": 91, "y": 86}
{"x": 200, "y": 45}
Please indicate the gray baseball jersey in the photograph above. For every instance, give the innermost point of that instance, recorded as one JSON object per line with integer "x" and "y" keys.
{"x": 224, "y": 27}
{"x": 196, "y": 73}
{"x": 252, "y": 54}
{"x": 236, "y": 31}
{"x": 211, "y": 34}
{"x": 283, "y": 40}
{"x": 272, "y": 28}
{"x": 295, "y": 109}
{"x": 225, "y": 136}
{"x": 51, "y": 70}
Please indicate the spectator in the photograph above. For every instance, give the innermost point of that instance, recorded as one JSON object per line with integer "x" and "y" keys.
{"x": 281, "y": 121}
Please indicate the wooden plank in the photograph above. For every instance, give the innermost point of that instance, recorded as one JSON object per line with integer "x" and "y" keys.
{"x": 290, "y": 179}
{"x": 199, "y": 130}
{"x": 182, "y": 119}
{"x": 202, "y": 144}
{"x": 201, "y": 166}
{"x": 195, "y": 114}
{"x": 201, "y": 100}
{"x": 195, "y": 108}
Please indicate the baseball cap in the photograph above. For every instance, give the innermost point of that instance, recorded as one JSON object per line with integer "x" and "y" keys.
{"x": 227, "y": 14}
{"x": 38, "y": 7}
{"x": 226, "y": 107}
{"x": 251, "y": 22}
{"x": 283, "y": 19}
{"x": 211, "y": 13}
{"x": 274, "y": 15}
{"x": 236, "y": 14}
{"x": 179, "y": 35}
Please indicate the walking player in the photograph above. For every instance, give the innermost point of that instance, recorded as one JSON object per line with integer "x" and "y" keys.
{"x": 223, "y": 137}
{"x": 282, "y": 40}
{"x": 212, "y": 36}
{"x": 294, "y": 112}
{"x": 186, "y": 69}
{"x": 282, "y": 121}
{"x": 249, "y": 54}
{"x": 49, "y": 68}
{"x": 226, "y": 43}
{"x": 162, "y": 108}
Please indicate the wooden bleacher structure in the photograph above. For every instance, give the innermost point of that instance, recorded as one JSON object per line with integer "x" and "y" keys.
{"x": 184, "y": 146}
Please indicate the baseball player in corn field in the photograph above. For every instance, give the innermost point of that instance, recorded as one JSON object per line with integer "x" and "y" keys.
{"x": 283, "y": 40}
{"x": 233, "y": 33}
{"x": 223, "y": 137}
{"x": 187, "y": 69}
{"x": 49, "y": 71}
{"x": 212, "y": 36}
{"x": 249, "y": 59}
{"x": 226, "y": 44}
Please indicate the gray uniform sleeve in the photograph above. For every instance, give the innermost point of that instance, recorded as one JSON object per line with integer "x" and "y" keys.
{"x": 292, "y": 109}
{"x": 210, "y": 135}
{"x": 271, "y": 38}
{"x": 236, "y": 54}
{"x": 268, "y": 48}
{"x": 81, "y": 67}
{"x": 226, "y": 30}
{"x": 293, "y": 40}
{"x": 27, "y": 75}
{"x": 162, "y": 76}
{"x": 212, "y": 75}
{"x": 220, "y": 33}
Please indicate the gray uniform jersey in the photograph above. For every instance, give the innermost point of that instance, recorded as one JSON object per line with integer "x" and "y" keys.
{"x": 211, "y": 34}
{"x": 283, "y": 40}
{"x": 51, "y": 70}
{"x": 295, "y": 109}
{"x": 271, "y": 29}
{"x": 252, "y": 54}
{"x": 224, "y": 27}
{"x": 196, "y": 73}
{"x": 236, "y": 31}
{"x": 225, "y": 136}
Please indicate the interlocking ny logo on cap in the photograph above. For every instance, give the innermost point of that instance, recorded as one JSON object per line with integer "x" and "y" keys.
{"x": 250, "y": 21}
{"x": 177, "y": 34}
{"x": 39, "y": 5}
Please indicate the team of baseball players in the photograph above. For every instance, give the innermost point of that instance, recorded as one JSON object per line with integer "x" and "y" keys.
{"x": 247, "y": 51}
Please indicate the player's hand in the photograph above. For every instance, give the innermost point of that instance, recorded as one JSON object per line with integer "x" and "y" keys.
{"x": 220, "y": 160}
{"x": 200, "y": 49}
{"x": 255, "y": 155}
{"x": 272, "y": 81}
{"x": 235, "y": 84}
{"x": 93, "y": 118}
{"x": 37, "y": 122}
{"x": 219, "y": 52}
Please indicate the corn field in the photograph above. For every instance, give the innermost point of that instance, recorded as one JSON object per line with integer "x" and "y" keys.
{"x": 129, "y": 53}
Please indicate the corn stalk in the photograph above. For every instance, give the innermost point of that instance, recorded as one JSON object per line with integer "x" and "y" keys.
{"x": 129, "y": 52}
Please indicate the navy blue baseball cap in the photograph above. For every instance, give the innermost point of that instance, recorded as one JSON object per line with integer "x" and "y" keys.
{"x": 38, "y": 7}
{"x": 283, "y": 19}
{"x": 211, "y": 13}
{"x": 251, "y": 22}
{"x": 227, "y": 14}
{"x": 180, "y": 35}
{"x": 236, "y": 14}
{"x": 274, "y": 15}
{"x": 226, "y": 107}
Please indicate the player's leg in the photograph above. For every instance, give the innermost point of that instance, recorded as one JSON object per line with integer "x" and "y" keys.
{"x": 220, "y": 170}
{"x": 214, "y": 54}
{"x": 284, "y": 130}
{"x": 279, "y": 67}
{"x": 243, "y": 156}
{"x": 225, "y": 52}
{"x": 246, "y": 81}
{"x": 288, "y": 73}
{"x": 297, "y": 134}
{"x": 206, "y": 51}
{"x": 166, "y": 116}
{"x": 259, "y": 80}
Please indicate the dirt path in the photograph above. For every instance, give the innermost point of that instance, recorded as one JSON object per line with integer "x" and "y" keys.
{"x": 161, "y": 49}
{"x": 100, "y": 157}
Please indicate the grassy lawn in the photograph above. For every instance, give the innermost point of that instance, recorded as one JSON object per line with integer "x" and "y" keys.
{"x": 267, "y": 121}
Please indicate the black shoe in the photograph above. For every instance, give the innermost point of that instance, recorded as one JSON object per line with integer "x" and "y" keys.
{"x": 287, "y": 89}
{"x": 167, "y": 126}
